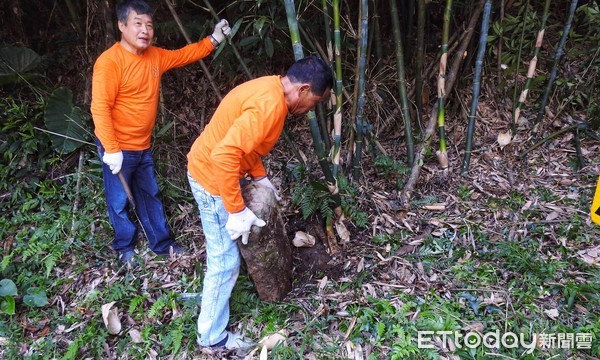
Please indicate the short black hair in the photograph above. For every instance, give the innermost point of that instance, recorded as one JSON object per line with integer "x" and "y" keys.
{"x": 125, "y": 6}
{"x": 314, "y": 71}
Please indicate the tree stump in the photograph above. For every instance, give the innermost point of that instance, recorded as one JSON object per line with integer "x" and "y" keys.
{"x": 268, "y": 254}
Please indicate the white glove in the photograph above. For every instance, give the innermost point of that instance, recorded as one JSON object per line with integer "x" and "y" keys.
{"x": 114, "y": 161}
{"x": 239, "y": 224}
{"x": 269, "y": 185}
{"x": 222, "y": 29}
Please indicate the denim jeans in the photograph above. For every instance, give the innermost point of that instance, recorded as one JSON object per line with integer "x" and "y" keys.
{"x": 222, "y": 266}
{"x": 138, "y": 170}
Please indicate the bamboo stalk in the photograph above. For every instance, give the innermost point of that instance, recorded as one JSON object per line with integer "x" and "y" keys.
{"x": 327, "y": 25}
{"x": 230, "y": 42}
{"x": 410, "y": 148}
{"x": 332, "y": 186}
{"x": 337, "y": 115}
{"x": 329, "y": 46}
{"x": 360, "y": 125}
{"x": 549, "y": 137}
{"x": 189, "y": 41}
{"x": 442, "y": 153}
{"x": 323, "y": 116}
{"x": 513, "y": 121}
{"x": 557, "y": 57}
{"x": 485, "y": 23}
{"x": 532, "y": 65}
{"x": 421, "y": 10}
{"x": 377, "y": 34}
{"x": 314, "y": 128}
{"x": 500, "y": 41}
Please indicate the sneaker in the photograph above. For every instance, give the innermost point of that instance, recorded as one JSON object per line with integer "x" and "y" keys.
{"x": 232, "y": 341}
{"x": 127, "y": 258}
{"x": 177, "y": 250}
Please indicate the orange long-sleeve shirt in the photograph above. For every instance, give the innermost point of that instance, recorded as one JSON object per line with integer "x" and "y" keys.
{"x": 245, "y": 126}
{"x": 125, "y": 89}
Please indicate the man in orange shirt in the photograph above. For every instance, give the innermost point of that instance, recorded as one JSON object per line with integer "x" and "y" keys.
{"x": 125, "y": 89}
{"x": 245, "y": 126}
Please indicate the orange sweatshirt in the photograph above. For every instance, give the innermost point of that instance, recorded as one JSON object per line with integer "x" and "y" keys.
{"x": 125, "y": 91}
{"x": 245, "y": 126}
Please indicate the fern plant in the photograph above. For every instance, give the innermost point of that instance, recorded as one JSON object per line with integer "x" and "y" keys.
{"x": 157, "y": 307}
{"x": 314, "y": 199}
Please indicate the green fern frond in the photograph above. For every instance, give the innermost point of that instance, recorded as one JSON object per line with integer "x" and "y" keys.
{"x": 176, "y": 335}
{"x": 160, "y": 303}
{"x": 135, "y": 303}
{"x": 72, "y": 350}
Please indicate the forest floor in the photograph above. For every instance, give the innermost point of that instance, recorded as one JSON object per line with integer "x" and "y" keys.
{"x": 508, "y": 248}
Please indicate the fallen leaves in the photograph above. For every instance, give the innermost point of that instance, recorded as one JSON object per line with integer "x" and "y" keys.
{"x": 111, "y": 319}
{"x": 552, "y": 313}
{"x": 590, "y": 256}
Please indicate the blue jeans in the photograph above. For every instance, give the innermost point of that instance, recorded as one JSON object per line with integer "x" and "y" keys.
{"x": 222, "y": 266}
{"x": 138, "y": 170}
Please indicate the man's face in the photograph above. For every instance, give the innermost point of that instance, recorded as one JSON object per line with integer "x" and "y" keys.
{"x": 137, "y": 33}
{"x": 304, "y": 100}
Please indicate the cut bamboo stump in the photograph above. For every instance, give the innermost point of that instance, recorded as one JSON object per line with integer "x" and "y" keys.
{"x": 268, "y": 254}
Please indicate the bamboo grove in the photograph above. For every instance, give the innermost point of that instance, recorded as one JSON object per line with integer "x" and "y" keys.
{"x": 404, "y": 71}
{"x": 411, "y": 105}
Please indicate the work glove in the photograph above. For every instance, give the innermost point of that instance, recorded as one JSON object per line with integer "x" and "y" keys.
{"x": 222, "y": 29}
{"x": 269, "y": 185}
{"x": 114, "y": 161}
{"x": 239, "y": 224}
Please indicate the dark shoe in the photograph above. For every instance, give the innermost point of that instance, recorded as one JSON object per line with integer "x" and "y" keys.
{"x": 127, "y": 258}
{"x": 177, "y": 250}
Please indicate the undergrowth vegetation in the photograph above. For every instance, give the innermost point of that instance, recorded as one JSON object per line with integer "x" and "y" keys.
{"x": 510, "y": 249}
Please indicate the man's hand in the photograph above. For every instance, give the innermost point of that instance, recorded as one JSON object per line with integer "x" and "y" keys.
{"x": 114, "y": 161}
{"x": 239, "y": 224}
{"x": 268, "y": 184}
{"x": 222, "y": 29}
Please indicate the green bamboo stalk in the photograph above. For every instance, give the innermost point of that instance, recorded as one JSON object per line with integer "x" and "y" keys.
{"x": 513, "y": 124}
{"x": 328, "y": 39}
{"x": 323, "y": 115}
{"x": 557, "y": 57}
{"x": 442, "y": 153}
{"x": 421, "y": 9}
{"x": 547, "y": 138}
{"x": 290, "y": 10}
{"x": 325, "y": 111}
{"x": 485, "y": 23}
{"x": 230, "y": 42}
{"x": 361, "y": 126}
{"x": 337, "y": 116}
{"x": 377, "y": 34}
{"x": 532, "y": 65}
{"x": 410, "y": 149}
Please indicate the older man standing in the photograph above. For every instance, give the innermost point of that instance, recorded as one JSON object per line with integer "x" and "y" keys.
{"x": 125, "y": 90}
